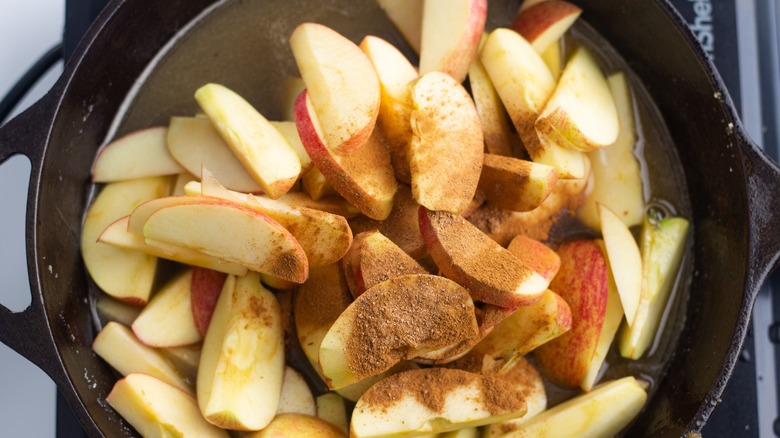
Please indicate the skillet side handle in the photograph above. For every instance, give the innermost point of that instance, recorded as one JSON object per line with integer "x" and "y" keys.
{"x": 28, "y": 332}
{"x": 764, "y": 204}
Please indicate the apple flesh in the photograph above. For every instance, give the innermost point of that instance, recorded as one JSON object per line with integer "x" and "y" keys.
{"x": 316, "y": 185}
{"x": 444, "y": 115}
{"x": 364, "y": 177}
{"x": 465, "y": 254}
{"x": 376, "y": 259}
{"x": 167, "y": 321}
{"x": 296, "y": 397}
{"x": 295, "y": 425}
{"x": 442, "y": 311}
{"x": 406, "y": 15}
{"x": 264, "y": 152}
{"x": 242, "y": 363}
{"x": 157, "y": 409}
{"x": 185, "y": 359}
{"x": 341, "y": 83}
{"x": 625, "y": 262}
{"x": 205, "y": 287}
{"x": 514, "y": 184}
{"x": 400, "y": 405}
{"x": 583, "y": 282}
{"x": 329, "y": 204}
{"x": 110, "y": 309}
{"x": 195, "y": 143}
{"x": 544, "y": 23}
{"x": 499, "y": 138}
{"x": 290, "y": 132}
{"x": 451, "y": 30}
{"x": 553, "y": 57}
{"x": 331, "y": 408}
{"x": 140, "y": 154}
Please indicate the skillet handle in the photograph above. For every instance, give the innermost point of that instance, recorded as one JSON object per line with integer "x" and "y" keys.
{"x": 764, "y": 211}
{"x": 28, "y": 332}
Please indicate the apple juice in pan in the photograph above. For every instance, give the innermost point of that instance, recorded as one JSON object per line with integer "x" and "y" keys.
{"x": 243, "y": 44}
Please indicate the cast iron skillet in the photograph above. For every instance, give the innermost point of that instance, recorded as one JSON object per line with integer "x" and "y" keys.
{"x": 734, "y": 190}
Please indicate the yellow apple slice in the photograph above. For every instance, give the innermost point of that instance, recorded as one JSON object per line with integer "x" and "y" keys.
{"x": 264, "y": 152}
{"x": 118, "y": 346}
{"x": 242, "y": 363}
{"x": 406, "y": 15}
{"x": 124, "y": 274}
{"x": 298, "y": 425}
{"x": 140, "y": 154}
{"x": 290, "y": 132}
{"x": 492, "y": 115}
{"x": 429, "y": 313}
{"x": 617, "y": 179}
{"x": 341, "y": 83}
{"x": 117, "y": 235}
{"x": 156, "y": 409}
{"x": 195, "y": 143}
{"x": 663, "y": 246}
{"x": 363, "y": 177}
{"x": 401, "y": 404}
{"x": 233, "y": 233}
{"x": 395, "y": 75}
{"x": 514, "y": 184}
{"x": 581, "y": 113}
{"x": 451, "y": 30}
{"x": 444, "y": 177}
{"x": 544, "y": 23}
{"x": 604, "y": 411}
{"x": 330, "y": 407}
{"x": 296, "y": 397}
{"x": 167, "y": 320}
{"x": 624, "y": 259}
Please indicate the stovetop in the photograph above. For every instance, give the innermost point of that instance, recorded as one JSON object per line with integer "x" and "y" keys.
{"x": 742, "y": 38}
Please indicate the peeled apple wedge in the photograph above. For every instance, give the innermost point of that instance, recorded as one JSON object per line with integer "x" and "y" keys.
{"x": 265, "y": 153}
{"x": 242, "y": 361}
{"x": 663, "y": 245}
{"x": 157, "y": 409}
{"x": 139, "y": 154}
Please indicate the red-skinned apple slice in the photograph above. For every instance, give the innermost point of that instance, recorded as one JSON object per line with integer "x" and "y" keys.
{"x": 195, "y": 143}
{"x": 581, "y": 112}
{"x": 514, "y": 184}
{"x": 155, "y": 408}
{"x": 205, "y": 286}
{"x": 395, "y": 74}
{"x": 407, "y": 17}
{"x": 341, "y": 83}
{"x": 540, "y": 257}
{"x": 376, "y": 259}
{"x": 140, "y": 154}
{"x": 124, "y": 274}
{"x": 263, "y": 151}
{"x": 544, "y": 23}
{"x": 364, "y": 177}
{"x": 624, "y": 260}
{"x": 465, "y": 254}
{"x": 231, "y": 232}
{"x": 583, "y": 282}
{"x": 444, "y": 177}
{"x": 428, "y": 313}
{"x": 167, "y": 321}
{"x": 451, "y": 30}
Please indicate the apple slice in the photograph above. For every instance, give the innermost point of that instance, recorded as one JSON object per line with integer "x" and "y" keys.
{"x": 205, "y": 287}
{"x": 469, "y": 432}
{"x": 581, "y": 113}
{"x": 277, "y": 283}
{"x": 296, "y": 396}
{"x": 514, "y": 184}
{"x": 329, "y": 204}
{"x": 195, "y": 143}
{"x": 167, "y": 320}
{"x": 617, "y": 179}
{"x": 233, "y": 233}
{"x": 331, "y": 408}
{"x": 540, "y": 257}
{"x": 525, "y": 4}
{"x": 451, "y": 30}
{"x": 401, "y": 318}
{"x": 110, "y": 309}
{"x": 140, "y": 154}
{"x": 404, "y": 404}
{"x": 156, "y": 409}
{"x": 124, "y": 274}
{"x": 527, "y": 328}
{"x": 341, "y": 83}
{"x": 264, "y": 152}
{"x": 406, "y": 15}
{"x": 316, "y": 185}
{"x": 465, "y": 254}
{"x": 544, "y": 23}
{"x": 553, "y": 57}
{"x": 624, "y": 260}
{"x": 583, "y": 282}
{"x": 605, "y": 411}
{"x": 242, "y": 363}
{"x": 290, "y": 132}
{"x": 363, "y": 177}
{"x": 185, "y": 359}
{"x": 492, "y": 115}
{"x": 180, "y": 182}
{"x": 444, "y": 177}
{"x": 291, "y": 88}
{"x": 378, "y": 259}
{"x": 118, "y": 346}
{"x": 569, "y": 163}
{"x": 395, "y": 75}
{"x": 298, "y": 425}
{"x": 663, "y": 246}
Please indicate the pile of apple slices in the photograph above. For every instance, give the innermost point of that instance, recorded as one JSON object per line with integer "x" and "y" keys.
{"x": 351, "y": 235}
